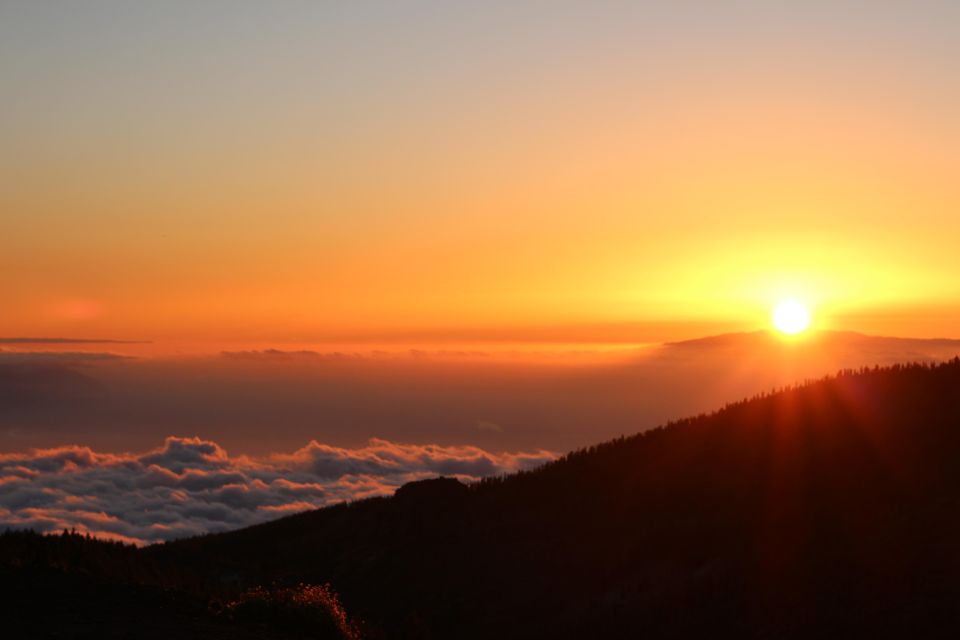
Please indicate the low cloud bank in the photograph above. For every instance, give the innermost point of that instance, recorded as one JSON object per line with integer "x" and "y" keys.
{"x": 191, "y": 486}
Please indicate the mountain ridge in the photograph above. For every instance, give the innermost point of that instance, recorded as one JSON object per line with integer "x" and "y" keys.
{"x": 829, "y": 505}
{"x": 694, "y": 476}
{"x": 813, "y": 336}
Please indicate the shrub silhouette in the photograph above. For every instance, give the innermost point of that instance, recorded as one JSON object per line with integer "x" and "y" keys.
{"x": 314, "y": 610}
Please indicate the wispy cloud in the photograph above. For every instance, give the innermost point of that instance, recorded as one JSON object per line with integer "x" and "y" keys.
{"x": 58, "y": 357}
{"x": 281, "y": 355}
{"x": 38, "y": 341}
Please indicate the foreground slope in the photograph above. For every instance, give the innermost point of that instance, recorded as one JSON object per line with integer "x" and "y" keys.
{"x": 827, "y": 510}
{"x": 833, "y": 508}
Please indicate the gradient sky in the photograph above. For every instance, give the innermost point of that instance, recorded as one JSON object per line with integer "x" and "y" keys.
{"x": 304, "y": 171}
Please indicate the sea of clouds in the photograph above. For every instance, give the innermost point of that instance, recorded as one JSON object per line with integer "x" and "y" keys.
{"x": 191, "y": 486}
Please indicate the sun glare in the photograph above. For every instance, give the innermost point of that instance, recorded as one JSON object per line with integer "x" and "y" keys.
{"x": 791, "y": 317}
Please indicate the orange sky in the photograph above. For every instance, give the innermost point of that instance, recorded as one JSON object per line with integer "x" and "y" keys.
{"x": 373, "y": 173}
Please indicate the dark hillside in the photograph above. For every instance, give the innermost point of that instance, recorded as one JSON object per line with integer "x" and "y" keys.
{"x": 832, "y": 505}
{"x": 827, "y": 510}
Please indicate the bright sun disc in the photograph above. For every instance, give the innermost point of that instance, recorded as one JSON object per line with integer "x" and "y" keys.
{"x": 791, "y": 317}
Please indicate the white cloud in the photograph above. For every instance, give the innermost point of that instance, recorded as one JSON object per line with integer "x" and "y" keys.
{"x": 191, "y": 486}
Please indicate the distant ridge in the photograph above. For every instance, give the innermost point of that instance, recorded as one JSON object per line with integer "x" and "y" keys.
{"x": 829, "y": 337}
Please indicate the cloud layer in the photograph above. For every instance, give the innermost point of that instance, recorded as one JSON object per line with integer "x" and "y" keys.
{"x": 191, "y": 486}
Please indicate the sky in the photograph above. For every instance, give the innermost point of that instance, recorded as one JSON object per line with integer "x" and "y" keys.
{"x": 232, "y": 174}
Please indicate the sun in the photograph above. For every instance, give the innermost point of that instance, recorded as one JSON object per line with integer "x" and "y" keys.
{"x": 791, "y": 317}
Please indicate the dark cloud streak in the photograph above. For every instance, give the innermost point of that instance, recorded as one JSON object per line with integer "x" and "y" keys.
{"x": 32, "y": 341}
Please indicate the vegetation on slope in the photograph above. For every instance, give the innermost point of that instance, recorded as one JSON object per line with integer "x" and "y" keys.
{"x": 828, "y": 508}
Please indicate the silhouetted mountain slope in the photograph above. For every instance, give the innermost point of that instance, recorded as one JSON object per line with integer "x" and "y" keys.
{"x": 832, "y": 505}
{"x": 826, "y": 510}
